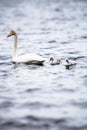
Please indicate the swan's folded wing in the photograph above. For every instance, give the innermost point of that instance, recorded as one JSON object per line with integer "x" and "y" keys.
{"x": 28, "y": 58}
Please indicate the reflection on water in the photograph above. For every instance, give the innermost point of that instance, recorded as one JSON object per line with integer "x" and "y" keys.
{"x": 44, "y": 97}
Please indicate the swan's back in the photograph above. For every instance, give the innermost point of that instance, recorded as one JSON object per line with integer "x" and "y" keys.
{"x": 29, "y": 58}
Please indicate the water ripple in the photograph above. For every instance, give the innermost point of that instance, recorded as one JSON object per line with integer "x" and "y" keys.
{"x": 44, "y": 97}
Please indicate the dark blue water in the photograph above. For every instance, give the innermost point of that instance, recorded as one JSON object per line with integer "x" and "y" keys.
{"x": 44, "y": 97}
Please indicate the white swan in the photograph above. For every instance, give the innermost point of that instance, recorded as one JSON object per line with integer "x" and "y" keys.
{"x": 28, "y": 58}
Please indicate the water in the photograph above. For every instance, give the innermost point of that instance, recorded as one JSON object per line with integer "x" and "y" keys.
{"x": 44, "y": 97}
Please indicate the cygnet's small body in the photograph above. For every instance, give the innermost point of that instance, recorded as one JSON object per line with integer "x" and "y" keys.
{"x": 69, "y": 63}
{"x": 52, "y": 62}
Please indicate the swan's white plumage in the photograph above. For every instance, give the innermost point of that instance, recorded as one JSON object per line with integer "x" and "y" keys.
{"x": 28, "y": 58}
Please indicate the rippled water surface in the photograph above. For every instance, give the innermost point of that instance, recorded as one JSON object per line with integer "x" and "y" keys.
{"x": 44, "y": 97}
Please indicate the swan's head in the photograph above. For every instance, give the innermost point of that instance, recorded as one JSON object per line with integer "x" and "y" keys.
{"x": 11, "y": 33}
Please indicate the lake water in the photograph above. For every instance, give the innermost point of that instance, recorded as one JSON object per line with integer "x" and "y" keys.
{"x": 44, "y": 97}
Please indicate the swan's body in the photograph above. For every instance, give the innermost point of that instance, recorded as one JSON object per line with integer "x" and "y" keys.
{"x": 69, "y": 63}
{"x": 52, "y": 62}
{"x": 28, "y": 58}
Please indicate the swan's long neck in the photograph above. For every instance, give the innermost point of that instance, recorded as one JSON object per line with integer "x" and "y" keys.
{"x": 15, "y": 46}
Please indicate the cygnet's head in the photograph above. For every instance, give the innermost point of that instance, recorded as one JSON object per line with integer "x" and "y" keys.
{"x": 51, "y": 59}
{"x": 67, "y": 60}
{"x": 11, "y": 33}
{"x": 59, "y": 61}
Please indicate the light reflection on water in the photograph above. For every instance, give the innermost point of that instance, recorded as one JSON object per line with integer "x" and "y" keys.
{"x": 44, "y": 97}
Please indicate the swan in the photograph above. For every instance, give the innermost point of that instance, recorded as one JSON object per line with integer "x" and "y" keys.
{"x": 27, "y": 58}
{"x": 69, "y": 63}
{"x": 52, "y": 62}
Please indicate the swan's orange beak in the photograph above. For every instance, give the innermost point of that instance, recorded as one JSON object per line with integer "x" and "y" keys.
{"x": 9, "y": 34}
